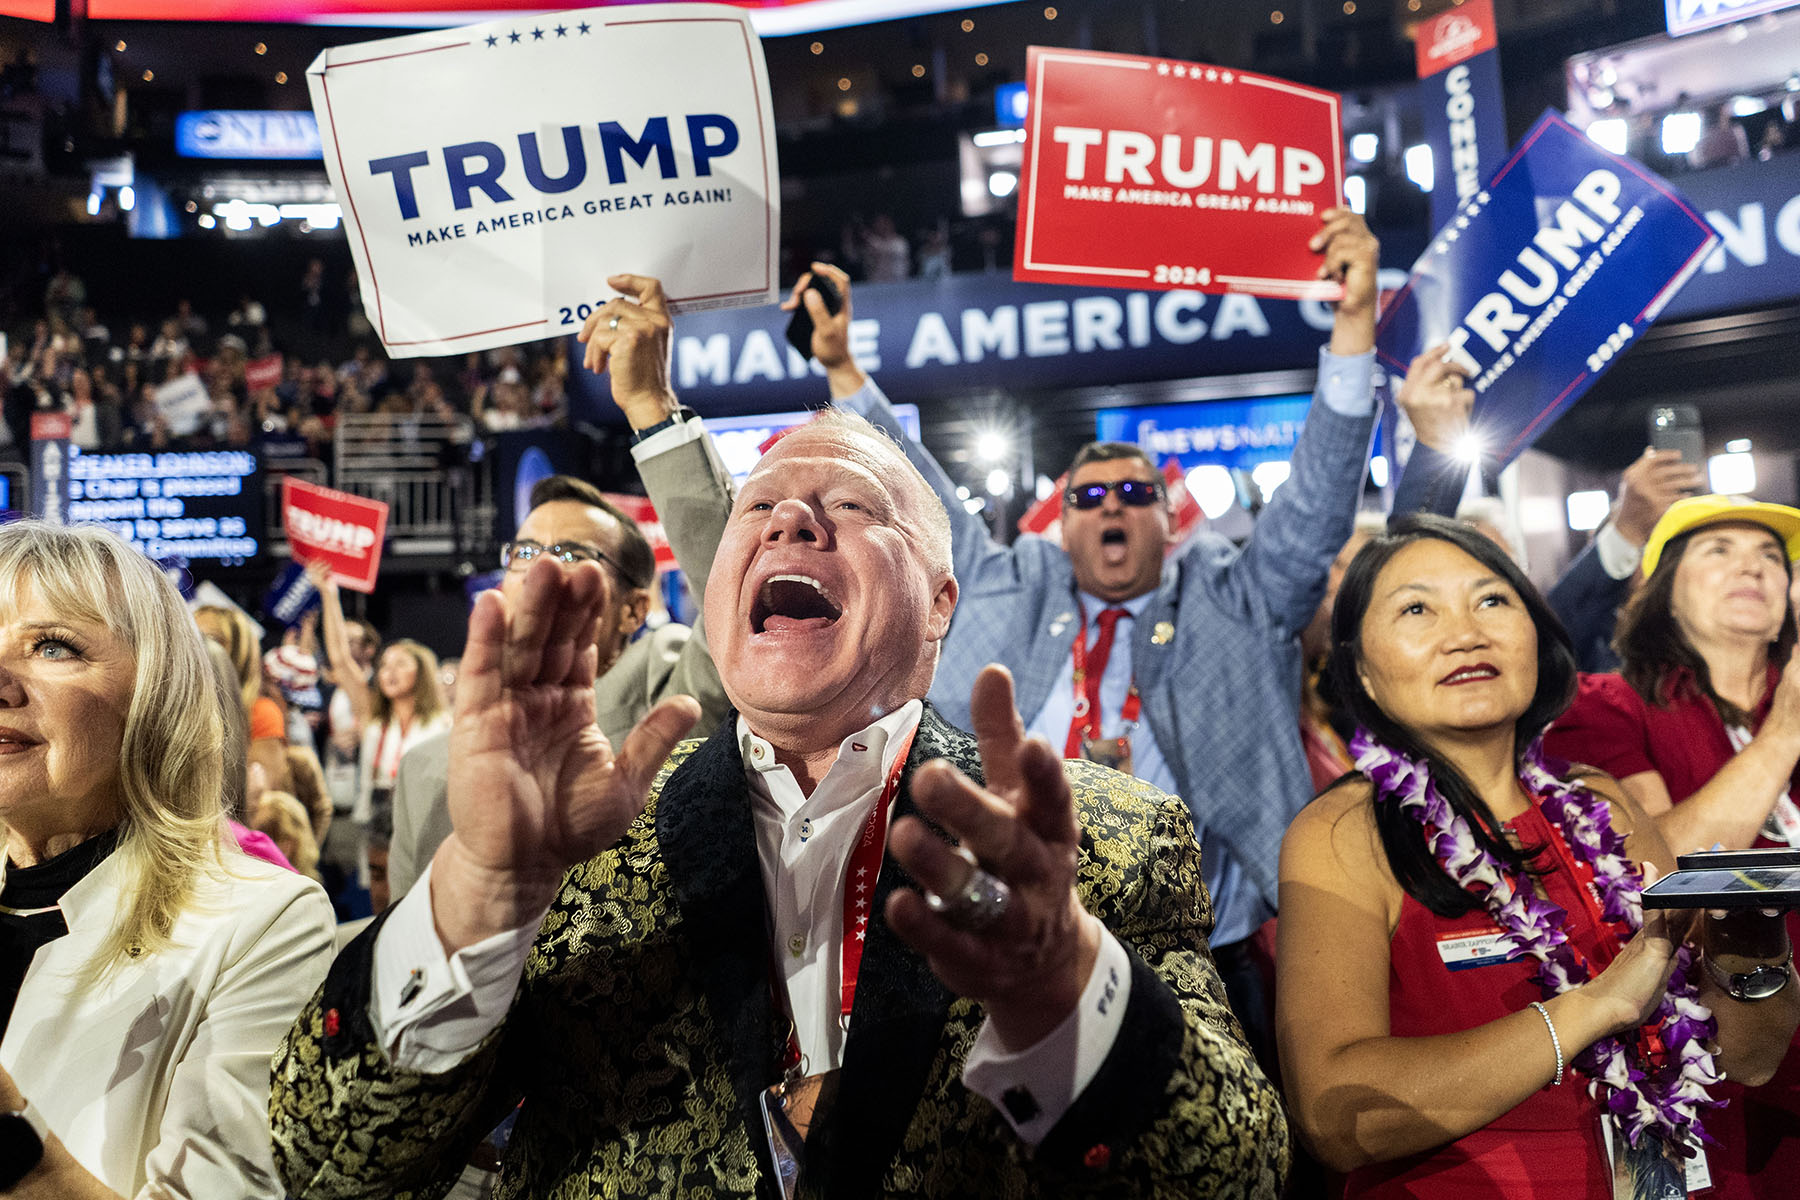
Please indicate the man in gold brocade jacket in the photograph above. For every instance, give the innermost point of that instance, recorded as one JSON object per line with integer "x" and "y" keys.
{"x": 987, "y": 966}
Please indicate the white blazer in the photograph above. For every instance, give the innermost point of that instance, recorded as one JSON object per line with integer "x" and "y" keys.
{"x": 157, "y": 1080}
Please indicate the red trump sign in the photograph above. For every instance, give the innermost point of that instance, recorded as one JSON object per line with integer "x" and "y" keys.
{"x": 1151, "y": 173}
{"x": 344, "y": 531}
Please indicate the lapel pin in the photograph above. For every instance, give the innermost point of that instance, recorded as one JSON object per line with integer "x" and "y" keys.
{"x": 1163, "y": 634}
{"x": 1059, "y": 623}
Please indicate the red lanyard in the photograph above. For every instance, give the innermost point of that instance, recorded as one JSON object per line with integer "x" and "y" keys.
{"x": 381, "y": 751}
{"x": 1581, "y": 879}
{"x": 860, "y": 875}
{"x": 1090, "y": 720}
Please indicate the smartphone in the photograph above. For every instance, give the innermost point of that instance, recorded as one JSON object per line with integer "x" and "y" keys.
{"x": 800, "y": 326}
{"x": 1677, "y": 427}
{"x": 1727, "y": 887}
{"x": 1701, "y": 860}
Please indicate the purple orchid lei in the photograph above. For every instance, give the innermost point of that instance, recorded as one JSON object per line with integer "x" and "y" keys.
{"x": 1662, "y": 1099}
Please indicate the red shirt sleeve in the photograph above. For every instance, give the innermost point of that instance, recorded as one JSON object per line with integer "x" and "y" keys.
{"x": 265, "y": 720}
{"x": 1605, "y": 727}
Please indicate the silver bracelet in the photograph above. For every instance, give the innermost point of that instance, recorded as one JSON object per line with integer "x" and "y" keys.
{"x": 1555, "y": 1042}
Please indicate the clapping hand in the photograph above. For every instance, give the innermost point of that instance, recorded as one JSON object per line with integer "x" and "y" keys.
{"x": 534, "y": 785}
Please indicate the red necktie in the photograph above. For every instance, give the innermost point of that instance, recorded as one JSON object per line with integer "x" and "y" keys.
{"x": 1090, "y": 665}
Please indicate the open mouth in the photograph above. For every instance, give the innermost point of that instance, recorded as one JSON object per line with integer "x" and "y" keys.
{"x": 1472, "y": 674}
{"x": 792, "y": 602}
{"x": 1112, "y": 537}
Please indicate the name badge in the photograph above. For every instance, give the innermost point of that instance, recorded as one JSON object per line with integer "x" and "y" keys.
{"x": 788, "y": 1112}
{"x": 1466, "y": 951}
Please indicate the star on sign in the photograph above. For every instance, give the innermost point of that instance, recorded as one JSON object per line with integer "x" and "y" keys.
{"x": 1162, "y": 68}
{"x": 1212, "y": 76}
{"x": 537, "y": 35}
{"x": 583, "y": 28}
{"x": 492, "y": 41}
{"x": 861, "y": 935}
{"x": 513, "y": 37}
{"x": 1181, "y": 72}
{"x": 562, "y": 31}
{"x": 861, "y": 871}
{"x": 1226, "y": 76}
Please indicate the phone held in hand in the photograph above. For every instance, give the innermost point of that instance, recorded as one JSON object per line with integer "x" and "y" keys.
{"x": 1730, "y": 879}
{"x": 800, "y": 326}
{"x": 1677, "y": 427}
{"x": 1701, "y": 860}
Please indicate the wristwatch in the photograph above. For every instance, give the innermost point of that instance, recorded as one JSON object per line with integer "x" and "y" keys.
{"x": 1758, "y": 983}
{"x": 22, "y": 1135}
{"x": 681, "y": 414}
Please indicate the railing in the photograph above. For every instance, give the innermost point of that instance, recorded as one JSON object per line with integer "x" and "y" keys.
{"x": 275, "y": 469}
{"x": 438, "y": 502}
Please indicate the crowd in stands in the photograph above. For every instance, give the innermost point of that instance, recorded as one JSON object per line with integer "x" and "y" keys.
{"x": 324, "y": 363}
{"x": 1316, "y": 857}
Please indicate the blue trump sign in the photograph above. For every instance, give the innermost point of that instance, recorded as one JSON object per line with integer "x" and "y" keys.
{"x": 1544, "y": 278}
{"x": 291, "y": 596}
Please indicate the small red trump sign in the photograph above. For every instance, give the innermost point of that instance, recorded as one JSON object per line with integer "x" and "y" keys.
{"x": 345, "y": 531}
{"x": 1151, "y": 173}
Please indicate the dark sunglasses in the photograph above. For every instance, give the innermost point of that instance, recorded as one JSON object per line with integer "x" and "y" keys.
{"x": 1135, "y": 493}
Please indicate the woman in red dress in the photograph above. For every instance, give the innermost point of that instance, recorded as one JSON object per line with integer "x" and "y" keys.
{"x": 1467, "y": 1005}
{"x": 1702, "y": 729}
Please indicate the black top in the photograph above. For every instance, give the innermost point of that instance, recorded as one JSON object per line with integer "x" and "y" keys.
{"x": 29, "y": 917}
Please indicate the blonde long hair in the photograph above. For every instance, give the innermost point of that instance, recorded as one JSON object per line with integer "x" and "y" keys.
{"x": 171, "y": 820}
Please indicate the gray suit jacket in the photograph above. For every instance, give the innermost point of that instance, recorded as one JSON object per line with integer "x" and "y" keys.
{"x": 1216, "y": 654}
{"x": 692, "y": 492}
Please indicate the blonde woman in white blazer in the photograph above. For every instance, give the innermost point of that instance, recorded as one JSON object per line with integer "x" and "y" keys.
{"x": 147, "y": 967}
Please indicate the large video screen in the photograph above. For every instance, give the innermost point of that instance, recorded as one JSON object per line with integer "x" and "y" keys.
{"x": 31, "y": 10}
{"x": 772, "y": 18}
{"x": 204, "y": 506}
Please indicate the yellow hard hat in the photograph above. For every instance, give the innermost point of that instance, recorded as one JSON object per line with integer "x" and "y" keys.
{"x": 1695, "y": 511}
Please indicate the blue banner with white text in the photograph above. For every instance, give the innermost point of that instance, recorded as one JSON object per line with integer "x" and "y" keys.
{"x": 930, "y": 339}
{"x": 1544, "y": 278}
{"x": 1465, "y": 126}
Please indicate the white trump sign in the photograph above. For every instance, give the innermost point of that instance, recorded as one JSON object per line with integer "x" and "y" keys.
{"x": 493, "y": 176}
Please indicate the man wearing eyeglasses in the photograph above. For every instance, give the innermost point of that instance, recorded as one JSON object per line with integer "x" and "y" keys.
{"x": 1184, "y": 672}
{"x": 571, "y": 522}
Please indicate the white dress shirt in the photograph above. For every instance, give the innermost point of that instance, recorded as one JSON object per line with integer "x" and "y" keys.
{"x": 430, "y": 1011}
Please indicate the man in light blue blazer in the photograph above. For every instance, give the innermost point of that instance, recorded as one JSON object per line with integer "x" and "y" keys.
{"x": 1201, "y": 679}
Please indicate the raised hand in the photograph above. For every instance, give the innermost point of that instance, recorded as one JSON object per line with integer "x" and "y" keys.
{"x": 1437, "y": 399}
{"x": 831, "y": 332}
{"x": 1655, "y": 480}
{"x": 1028, "y": 968}
{"x": 630, "y": 336}
{"x": 534, "y": 785}
{"x": 1351, "y": 257}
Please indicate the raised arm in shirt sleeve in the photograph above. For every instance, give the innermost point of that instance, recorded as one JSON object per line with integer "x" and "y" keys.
{"x": 1433, "y": 482}
{"x": 1279, "y": 577}
{"x": 974, "y": 552}
{"x": 692, "y": 491}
